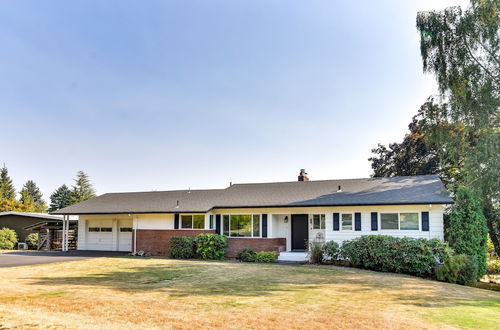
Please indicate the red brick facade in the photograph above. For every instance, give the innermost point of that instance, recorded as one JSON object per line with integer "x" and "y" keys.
{"x": 235, "y": 244}
{"x": 157, "y": 242}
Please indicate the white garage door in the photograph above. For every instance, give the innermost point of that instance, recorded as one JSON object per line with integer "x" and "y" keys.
{"x": 100, "y": 235}
{"x": 125, "y": 235}
{"x": 109, "y": 235}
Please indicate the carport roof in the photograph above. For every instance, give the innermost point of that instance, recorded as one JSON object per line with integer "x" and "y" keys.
{"x": 425, "y": 189}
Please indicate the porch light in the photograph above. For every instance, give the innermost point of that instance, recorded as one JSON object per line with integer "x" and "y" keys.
{"x": 286, "y": 219}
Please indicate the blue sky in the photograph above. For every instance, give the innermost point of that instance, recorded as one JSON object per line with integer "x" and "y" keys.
{"x": 157, "y": 95}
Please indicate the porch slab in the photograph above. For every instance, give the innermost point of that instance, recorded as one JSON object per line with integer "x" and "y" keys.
{"x": 293, "y": 256}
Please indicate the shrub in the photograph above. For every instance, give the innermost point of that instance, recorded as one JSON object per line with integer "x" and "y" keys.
{"x": 264, "y": 256}
{"x": 399, "y": 255}
{"x": 315, "y": 253}
{"x": 211, "y": 246}
{"x": 331, "y": 250}
{"x": 32, "y": 241}
{"x": 468, "y": 231}
{"x": 460, "y": 269}
{"x": 246, "y": 255}
{"x": 181, "y": 247}
{"x": 8, "y": 239}
{"x": 494, "y": 266}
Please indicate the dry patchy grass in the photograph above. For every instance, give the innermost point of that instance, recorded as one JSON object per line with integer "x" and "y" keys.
{"x": 153, "y": 293}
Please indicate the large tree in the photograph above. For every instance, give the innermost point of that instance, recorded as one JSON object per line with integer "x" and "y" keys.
{"x": 417, "y": 155}
{"x": 7, "y": 190}
{"x": 60, "y": 198}
{"x": 82, "y": 189}
{"x": 31, "y": 194}
{"x": 461, "y": 48}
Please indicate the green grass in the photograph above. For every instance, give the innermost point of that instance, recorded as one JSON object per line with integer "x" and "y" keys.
{"x": 477, "y": 314}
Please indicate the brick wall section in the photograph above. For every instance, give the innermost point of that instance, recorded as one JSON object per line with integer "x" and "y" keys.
{"x": 157, "y": 242}
{"x": 257, "y": 244}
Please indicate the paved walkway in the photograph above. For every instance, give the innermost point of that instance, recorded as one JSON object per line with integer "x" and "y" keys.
{"x": 19, "y": 258}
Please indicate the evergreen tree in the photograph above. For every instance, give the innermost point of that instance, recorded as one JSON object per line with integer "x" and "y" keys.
{"x": 468, "y": 232}
{"x": 82, "y": 189}
{"x": 60, "y": 198}
{"x": 31, "y": 194}
{"x": 7, "y": 190}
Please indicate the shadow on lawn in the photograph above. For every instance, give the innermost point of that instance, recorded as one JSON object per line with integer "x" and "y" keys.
{"x": 235, "y": 279}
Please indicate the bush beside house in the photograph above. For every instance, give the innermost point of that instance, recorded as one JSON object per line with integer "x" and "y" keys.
{"x": 32, "y": 241}
{"x": 8, "y": 239}
{"x": 204, "y": 246}
{"x": 182, "y": 247}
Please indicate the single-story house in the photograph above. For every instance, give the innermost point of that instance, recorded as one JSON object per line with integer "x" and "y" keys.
{"x": 17, "y": 221}
{"x": 279, "y": 216}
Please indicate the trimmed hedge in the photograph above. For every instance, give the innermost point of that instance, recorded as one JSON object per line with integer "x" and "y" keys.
{"x": 331, "y": 250}
{"x": 246, "y": 255}
{"x": 398, "y": 255}
{"x": 8, "y": 239}
{"x": 182, "y": 247}
{"x": 265, "y": 256}
{"x": 211, "y": 246}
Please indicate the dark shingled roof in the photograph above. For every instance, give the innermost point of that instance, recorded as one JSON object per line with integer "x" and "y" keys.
{"x": 424, "y": 189}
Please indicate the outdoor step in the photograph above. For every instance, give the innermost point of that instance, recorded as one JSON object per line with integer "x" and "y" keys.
{"x": 293, "y": 256}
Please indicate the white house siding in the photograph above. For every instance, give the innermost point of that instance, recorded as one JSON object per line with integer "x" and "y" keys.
{"x": 278, "y": 228}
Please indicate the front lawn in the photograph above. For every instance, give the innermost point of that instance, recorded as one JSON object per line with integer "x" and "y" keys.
{"x": 119, "y": 293}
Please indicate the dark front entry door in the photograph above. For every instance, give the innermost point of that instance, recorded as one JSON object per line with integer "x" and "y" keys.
{"x": 300, "y": 231}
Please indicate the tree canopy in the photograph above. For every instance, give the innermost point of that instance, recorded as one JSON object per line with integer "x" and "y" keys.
{"x": 60, "y": 198}
{"x": 7, "y": 189}
{"x": 82, "y": 189}
{"x": 32, "y": 194}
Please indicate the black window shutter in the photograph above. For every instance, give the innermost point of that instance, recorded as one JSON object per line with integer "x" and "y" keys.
{"x": 357, "y": 221}
{"x": 425, "y": 221}
{"x": 176, "y": 221}
{"x": 264, "y": 225}
{"x": 217, "y": 224}
{"x": 336, "y": 221}
{"x": 374, "y": 221}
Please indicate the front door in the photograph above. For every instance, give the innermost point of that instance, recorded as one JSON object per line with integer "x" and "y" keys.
{"x": 300, "y": 231}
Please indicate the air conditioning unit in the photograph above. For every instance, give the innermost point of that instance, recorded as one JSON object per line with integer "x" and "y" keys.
{"x": 22, "y": 246}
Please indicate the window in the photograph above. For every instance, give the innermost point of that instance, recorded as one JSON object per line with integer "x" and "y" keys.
{"x": 125, "y": 229}
{"x": 241, "y": 225}
{"x": 226, "y": 225}
{"x": 187, "y": 221}
{"x": 256, "y": 225}
{"x": 94, "y": 229}
{"x": 196, "y": 221}
{"x": 401, "y": 221}
{"x": 100, "y": 229}
{"x": 408, "y": 221}
{"x": 389, "y": 221}
{"x": 106, "y": 229}
{"x": 199, "y": 221}
{"x": 346, "y": 221}
{"x": 318, "y": 221}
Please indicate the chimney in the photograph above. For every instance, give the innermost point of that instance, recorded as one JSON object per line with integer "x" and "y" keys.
{"x": 303, "y": 175}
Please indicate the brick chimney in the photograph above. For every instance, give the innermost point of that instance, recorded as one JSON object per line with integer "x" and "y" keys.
{"x": 303, "y": 175}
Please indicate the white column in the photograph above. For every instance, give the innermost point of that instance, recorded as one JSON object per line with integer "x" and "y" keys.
{"x": 63, "y": 241}
{"x": 115, "y": 234}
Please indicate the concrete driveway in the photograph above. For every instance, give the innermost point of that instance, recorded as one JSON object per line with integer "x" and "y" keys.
{"x": 19, "y": 258}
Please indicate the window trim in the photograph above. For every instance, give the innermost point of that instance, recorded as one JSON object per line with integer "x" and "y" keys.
{"x": 341, "y": 227}
{"x": 192, "y": 221}
{"x": 419, "y": 215}
{"x": 251, "y": 216}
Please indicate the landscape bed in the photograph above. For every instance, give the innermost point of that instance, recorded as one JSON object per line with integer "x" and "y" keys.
{"x": 138, "y": 293}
